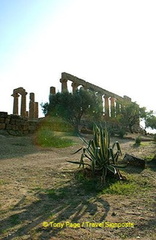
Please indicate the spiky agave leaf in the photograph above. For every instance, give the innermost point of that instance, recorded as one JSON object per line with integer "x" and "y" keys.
{"x": 112, "y": 169}
{"x": 77, "y": 151}
{"x": 79, "y": 163}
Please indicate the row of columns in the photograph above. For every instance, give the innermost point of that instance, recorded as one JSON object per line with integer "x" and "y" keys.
{"x": 33, "y": 106}
{"x": 112, "y": 107}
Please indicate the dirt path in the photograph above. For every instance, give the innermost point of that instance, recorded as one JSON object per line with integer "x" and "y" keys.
{"x": 37, "y": 185}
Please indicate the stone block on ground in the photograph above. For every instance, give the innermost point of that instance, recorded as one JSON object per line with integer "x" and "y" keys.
{"x": 2, "y": 120}
{"x": 134, "y": 161}
{"x": 2, "y": 125}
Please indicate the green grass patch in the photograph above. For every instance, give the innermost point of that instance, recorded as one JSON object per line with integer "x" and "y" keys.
{"x": 45, "y": 137}
{"x": 56, "y": 124}
{"x": 14, "y": 219}
{"x": 149, "y": 157}
{"x": 133, "y": 184}
{"x": 1, "y": 182}
{"x": 121, "y": 188}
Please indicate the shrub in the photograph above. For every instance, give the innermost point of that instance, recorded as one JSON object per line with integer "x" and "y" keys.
{"x": 56, "y": 124}
{"x": 138, "y": 140}
{"x": 46, "y": 138}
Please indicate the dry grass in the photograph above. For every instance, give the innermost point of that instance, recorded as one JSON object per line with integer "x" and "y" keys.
{"x": 38, "y": 185}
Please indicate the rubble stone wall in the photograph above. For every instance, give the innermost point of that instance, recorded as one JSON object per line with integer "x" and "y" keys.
{"x": 17, "y": 124}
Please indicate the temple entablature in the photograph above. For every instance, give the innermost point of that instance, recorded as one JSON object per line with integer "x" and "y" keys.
{"x": 33, "y": 106}
{"x": 112, "y": 102}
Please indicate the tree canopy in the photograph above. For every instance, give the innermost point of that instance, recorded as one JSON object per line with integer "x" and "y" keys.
{"x": 72, "y": 106}
{"x": 151, "y": 122}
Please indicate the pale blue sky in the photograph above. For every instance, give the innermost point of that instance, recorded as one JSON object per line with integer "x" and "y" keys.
{"x": 108, "y": 43}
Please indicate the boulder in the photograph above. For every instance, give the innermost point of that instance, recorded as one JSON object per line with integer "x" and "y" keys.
{"x": 134, "y": 161}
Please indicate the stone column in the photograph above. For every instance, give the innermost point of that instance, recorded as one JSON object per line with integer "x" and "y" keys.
{"x": 117, "y": 108}
{"x": 106, "y": 101}
{"x": 64, "y": 85}
{"x": 74, "y": 86}
{"x": 32, "y": 106}
{"x": 36, "y": 110}
{"x": 27, "y": 114}
{"x": 100, "y": 102}
{"x": 122, "y": 108}
{"x": 52, "y": 90}
{"x": 112, "y": 107}
{"x": 15, "y": 103}
{"x": 23, "y": 104}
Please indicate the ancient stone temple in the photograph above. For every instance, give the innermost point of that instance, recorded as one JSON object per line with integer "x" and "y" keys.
{"x": 33, "y": 106}
{"x": 112, "y": 102}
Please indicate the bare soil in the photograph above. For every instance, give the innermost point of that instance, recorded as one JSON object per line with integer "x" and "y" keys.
{"x": 38, "y": 185}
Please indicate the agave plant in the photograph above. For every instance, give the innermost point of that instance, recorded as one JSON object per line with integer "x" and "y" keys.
{"x": 101, "y": 156}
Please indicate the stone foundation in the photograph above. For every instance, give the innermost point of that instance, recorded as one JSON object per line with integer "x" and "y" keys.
{"x": 16, "y": 124}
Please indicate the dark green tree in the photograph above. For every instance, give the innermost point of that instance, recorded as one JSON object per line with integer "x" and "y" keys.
{"x": 72, "y": 107}
{"x": 149, "y": 118}
{"x": 150, "y": 121}
{"x": 129, "y": 116}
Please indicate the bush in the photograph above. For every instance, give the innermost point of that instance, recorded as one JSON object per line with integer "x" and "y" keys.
{"x": 56, "y": 124}
{"x": 138, "y": 140}
{"x": 46, "y": 138}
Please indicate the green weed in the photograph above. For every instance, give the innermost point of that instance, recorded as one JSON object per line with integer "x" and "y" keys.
{"x": 120, "y": 188}
{"x": 14, "y": 219}
{"x": 46, "y": 138}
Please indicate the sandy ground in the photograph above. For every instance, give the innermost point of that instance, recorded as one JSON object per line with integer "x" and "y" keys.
{"x": 27, "y": 175}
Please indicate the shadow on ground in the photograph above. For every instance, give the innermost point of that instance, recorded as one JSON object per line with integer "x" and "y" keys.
{"x": 11, "y": 147}
{"x": 69, "y": 203}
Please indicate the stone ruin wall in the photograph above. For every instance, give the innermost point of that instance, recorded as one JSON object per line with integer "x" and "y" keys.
{"x": 21, "y": 121}
{"x": 16, "y": 124}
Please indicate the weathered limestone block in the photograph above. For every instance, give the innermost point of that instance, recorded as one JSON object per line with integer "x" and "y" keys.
{"x": 64, "y": 85}
{"x": 3, "y": 114}
{"x": 12, "y": 116}
{"x": 8, "y": 126}
{"x": 36, "y": 110}
{"x": 74, "y": 86}
{"x": 12, "y": 121}
{"x": 134, "y": 161}
{"x": 32, "y": 106}
{"x": 7, "y": 120}
{"x": 25, "y": 132}
{"x": 25, "y": 128}
{"x": 14, "y": 127}
{"x": 2, "y": 120}
{"x": 106, "y": 104}
{"x": 52, "y": 90}
{"x": 127, "y": 98}
{"x": 15, "y": 95}
{"x": 112, "y": 100}
{"x": 2, "y": 126}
